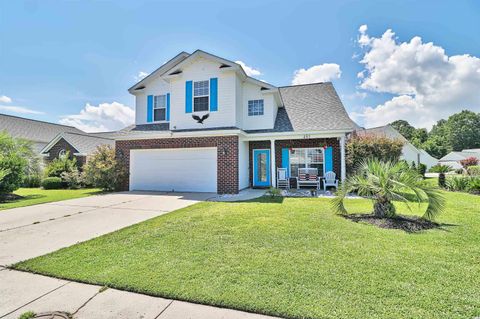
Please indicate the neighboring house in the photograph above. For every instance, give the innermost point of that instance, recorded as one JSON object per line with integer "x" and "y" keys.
{"x": 409, "y": 152}
{"x": 38, "y": 132}
{"x": 453, "y": 159}
{"x": 78, "y": 145}
{"x": 252, "y": 128}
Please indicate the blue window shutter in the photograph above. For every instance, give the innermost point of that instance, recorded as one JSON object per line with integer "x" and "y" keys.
{"x": 329, "y": 159}
{"x": 188, "y": 96}
{"x": 286, "y": 160}
{"x": 149, "y": 108}
{"x": 213, "y": 94}
{"x": 167, "y": 116}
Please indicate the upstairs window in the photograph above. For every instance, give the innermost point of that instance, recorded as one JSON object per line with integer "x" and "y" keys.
{"x": 159, "y": 108}
{"x": 201, "y": 92}
{"x": 255, "y": 107}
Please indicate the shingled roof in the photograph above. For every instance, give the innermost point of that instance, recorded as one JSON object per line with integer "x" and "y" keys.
{"x": 33, "y": 130}
{"x": 310, "y": 107}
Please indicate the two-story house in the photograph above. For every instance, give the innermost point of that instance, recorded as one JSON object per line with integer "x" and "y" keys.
{"x": 203, "y": 125}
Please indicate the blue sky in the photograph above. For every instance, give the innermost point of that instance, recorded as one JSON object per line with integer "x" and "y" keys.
{"x": 57, "y": 57}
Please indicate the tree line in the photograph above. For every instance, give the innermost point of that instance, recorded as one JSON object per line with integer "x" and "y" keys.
{"x": 460, "y": 131}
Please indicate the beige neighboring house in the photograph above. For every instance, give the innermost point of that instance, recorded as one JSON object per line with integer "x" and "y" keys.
{"x": 409, "y": 152}
{"x": 453, "y": 159}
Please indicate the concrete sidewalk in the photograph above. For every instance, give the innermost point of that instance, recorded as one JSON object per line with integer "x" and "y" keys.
{"x": 22, "y": 292}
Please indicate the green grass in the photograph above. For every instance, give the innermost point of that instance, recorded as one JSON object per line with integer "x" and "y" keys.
{"x": 34, "y": 196}
{"x": 291, "y": 258}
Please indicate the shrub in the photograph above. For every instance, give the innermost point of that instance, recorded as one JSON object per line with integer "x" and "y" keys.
{"x": 274, "y": 192}
{"x": 422, "y": 169}
{"x": 469, "y": 161}
{"x": 73, "y": 179}
{"x": 13, "y": 163}
{"x": 59, "y": 165}
{"x": 31, "y": 181}
{"x": 457, "y": 183}
{"x": 103, "y": 170}
{"x": 474, "y": 185}
{"x": 52, "y": 183}
{"x": 473, "y": 170}
{"x": 361, "y": 148}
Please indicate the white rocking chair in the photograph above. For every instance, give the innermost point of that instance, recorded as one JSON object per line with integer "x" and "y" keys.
{"x": 330, "y": 179}
{"x": 282, "y": 178}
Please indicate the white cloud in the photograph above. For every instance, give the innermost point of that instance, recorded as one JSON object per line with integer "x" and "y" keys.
{"x": 427, "y": 83}
{"x": 5, "y": 99}
{"x": 104, "y": 117}
{"x": 141, "y": 75}
{"x": 248, "y": 69}
{"x": 19, "y": 109}
{"x": 317, "y": 73}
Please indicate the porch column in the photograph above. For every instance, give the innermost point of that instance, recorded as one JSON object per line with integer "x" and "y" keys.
{"x": 272, "y": 161}
{"x": 343, "y": 169}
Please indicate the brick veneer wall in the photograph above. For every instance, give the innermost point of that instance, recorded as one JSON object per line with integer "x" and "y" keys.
{"x": 227, "y": 155}
{"x": 62, "y": 144}
{"x": 300, "y": 143}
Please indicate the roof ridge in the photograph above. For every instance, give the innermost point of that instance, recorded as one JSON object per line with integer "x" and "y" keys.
{"x": 34, "y": 120}
{"x": 87, "y": 134}
{"x": 306, "y": 84}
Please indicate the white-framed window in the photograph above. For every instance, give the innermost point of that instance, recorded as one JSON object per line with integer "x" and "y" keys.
{"x": 255, "y": 107}
{"x": 306, "y": 158}
{"x": 201, "y": 95}
{"x": 159, "y": 108}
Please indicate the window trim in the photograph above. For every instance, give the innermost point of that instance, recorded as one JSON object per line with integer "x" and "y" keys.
{"x": 253, "y": 114}
{"x": 194, "y": 96}
{"x": 159, "y": 108}
{"x": 305, "y": 148}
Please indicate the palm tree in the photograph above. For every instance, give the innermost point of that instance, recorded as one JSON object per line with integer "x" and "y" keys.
{"x": 385, "y": 182}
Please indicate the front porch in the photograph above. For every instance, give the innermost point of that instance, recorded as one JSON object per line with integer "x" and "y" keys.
{"x": 324, "y": 154}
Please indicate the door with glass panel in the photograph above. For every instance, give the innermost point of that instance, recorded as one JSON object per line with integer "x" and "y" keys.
{"x": 261, "y": 168}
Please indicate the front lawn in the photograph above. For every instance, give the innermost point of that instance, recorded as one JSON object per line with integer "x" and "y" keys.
{"x": 291, "y": 258}
{"x": 33, "y": 196}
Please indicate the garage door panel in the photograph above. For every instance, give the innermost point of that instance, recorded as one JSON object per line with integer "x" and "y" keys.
{"x": 183, "y": 170}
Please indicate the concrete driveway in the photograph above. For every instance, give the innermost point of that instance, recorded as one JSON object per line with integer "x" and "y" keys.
{"x": 33, "y": 231}
{"x": 36, "y": 230}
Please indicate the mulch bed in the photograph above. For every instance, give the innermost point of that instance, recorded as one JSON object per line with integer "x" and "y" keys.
{"x": 409, "y": 224}
{"x": 5, "y": 198}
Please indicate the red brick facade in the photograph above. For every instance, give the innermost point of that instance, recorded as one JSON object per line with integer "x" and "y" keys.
{"x": 227, "y": 155}
{"x": 299, "y": 143}
{"x": 64, "y": 145}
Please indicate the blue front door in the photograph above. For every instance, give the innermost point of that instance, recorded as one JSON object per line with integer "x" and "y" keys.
{"x": 261, "y": 168}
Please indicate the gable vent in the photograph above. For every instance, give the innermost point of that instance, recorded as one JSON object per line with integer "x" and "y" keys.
{"x": 225, "y": 66}
{"x": 176, "y": 72}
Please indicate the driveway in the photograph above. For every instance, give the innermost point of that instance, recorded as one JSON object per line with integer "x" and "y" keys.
{"x": 33, "y": 231}
{"x": 29, "y": 232}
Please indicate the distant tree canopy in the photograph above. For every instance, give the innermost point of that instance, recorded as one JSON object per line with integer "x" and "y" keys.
{"x": 460, "y": 131}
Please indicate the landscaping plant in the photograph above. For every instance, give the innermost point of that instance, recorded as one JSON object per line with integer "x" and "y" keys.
{"x": 13, "y": 163}
{"x": 469, "y": 161}
{"x": 60, "y": 165}
{"x": 473, "y": 170}
{"x": 385, "y": 182}
{"x": 52, "y": 183}
{"x": 360, "y": 148}
{"x": 103, "y": 170}
{"x": 73, "y": 179}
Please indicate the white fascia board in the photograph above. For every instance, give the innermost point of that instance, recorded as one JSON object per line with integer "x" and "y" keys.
{"x": 47, "y": 147}
{"x": 293, "y": 135}
{"x": 170, "y": 134}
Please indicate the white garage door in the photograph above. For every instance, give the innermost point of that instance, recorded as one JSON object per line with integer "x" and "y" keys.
{"x": 179, "y": 170}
